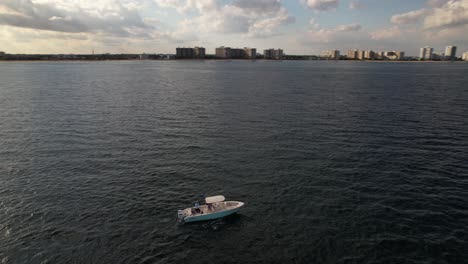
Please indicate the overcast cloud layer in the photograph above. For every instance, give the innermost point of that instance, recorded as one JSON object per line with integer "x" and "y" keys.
{"x": 297, "y": 26}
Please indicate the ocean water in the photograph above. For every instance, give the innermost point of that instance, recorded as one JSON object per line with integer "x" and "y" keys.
{"x": 337, "y": 162}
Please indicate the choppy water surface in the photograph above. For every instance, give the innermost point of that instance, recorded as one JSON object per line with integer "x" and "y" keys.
{"x": 340, "y": 162}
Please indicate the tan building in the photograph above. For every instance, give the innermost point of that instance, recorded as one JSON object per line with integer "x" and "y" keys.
{"x": 361, "y": 55}
{"x": 331, "y": 54}
{"x": 352, "y": 54}
{"x": 250, "y": 53}
{"x": 426, "y": 53}
{"x": 465, "y": 56}
{"x": 369, "y": 55}
{"x": 451, "y": 52}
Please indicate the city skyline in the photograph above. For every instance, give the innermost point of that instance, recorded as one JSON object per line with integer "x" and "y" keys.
{"x": 298, "y": 26}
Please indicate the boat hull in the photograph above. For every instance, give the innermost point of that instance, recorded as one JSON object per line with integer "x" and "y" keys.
{"x": 212, "y": 216}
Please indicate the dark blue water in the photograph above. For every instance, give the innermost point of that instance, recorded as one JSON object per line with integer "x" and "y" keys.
{"x": 338, "y": 162}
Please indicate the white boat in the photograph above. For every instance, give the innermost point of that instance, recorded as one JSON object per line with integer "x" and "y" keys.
{"x": 215, "y": 207}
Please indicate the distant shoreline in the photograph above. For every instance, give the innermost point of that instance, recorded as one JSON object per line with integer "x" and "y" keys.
{"x": 226, "y": 60}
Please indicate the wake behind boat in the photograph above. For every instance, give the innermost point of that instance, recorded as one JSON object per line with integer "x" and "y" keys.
{"x": 215, "y": 207}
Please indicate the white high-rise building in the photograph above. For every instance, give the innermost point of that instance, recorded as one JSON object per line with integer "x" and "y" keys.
{"x": 450, "y": 52}
{"x": 426, "y": 53}
{"x": 465, "y": 56}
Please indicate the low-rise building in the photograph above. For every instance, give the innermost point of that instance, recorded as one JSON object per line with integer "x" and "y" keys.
{"x": 437, "y": 56}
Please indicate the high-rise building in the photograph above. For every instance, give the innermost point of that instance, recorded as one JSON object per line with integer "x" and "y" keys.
{"x": 223, "y": 52}
{"x": 450, "y": 52}
{"x": 230, "y": 53}
{"x": 250, "y": 53}
{"x": 200, "y": 52}
{"x": 361, "y": 55}
{"x": 352, "y": 54}
{"x": 190, "y": 53}
{"x": 465, "y": 56}
{"x": 369, "y": 54}
{"x": 426, "y": 53}
{"x": 273, "y": 54}
{"x": 379, "y": 55}
{"x": 400, "y": 55}
{"x": 331, "y": 54}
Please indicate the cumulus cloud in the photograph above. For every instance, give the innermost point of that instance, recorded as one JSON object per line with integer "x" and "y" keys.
{"x": 321, "y": 5}
{"x": 109, "y": 16}
{"x": 328, "y": 35}
{"x": 409, "y": 17}
{"x": 354, "y": 4}
{"x": 452, "y": 14}
{"x": 255, "y": 18}
{"x": 258, "y": 6}
{"x": 184, "y": 6}
{"x": 348, "y": 28}
{"x": 437, "y": 3}
{"x": 383, "y": 34}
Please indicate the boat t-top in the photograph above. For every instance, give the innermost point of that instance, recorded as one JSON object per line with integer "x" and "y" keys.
{"x": 215, "y": 207}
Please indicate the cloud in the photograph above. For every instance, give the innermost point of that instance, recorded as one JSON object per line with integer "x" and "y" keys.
{"x": 268, "y": 26}
{"x": 409, "y": 17}
{"x": 348, "y": 28}
{"x": 321, "y": 5}
{"x": 437, "y": 3}
{"x": 254, "y": 18}
{"x": 258, "y": 6}
{"x": 184, "y": 6}
{"x": 336, "y": 34}
{"x": 449, "y": 15}
{"x": 354, "y": 4}
{"x": 108, "y": 17}
{"x": 383, "y": 34}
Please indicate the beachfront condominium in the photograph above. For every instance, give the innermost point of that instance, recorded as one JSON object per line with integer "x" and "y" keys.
{"x": 190, "y": 53}
{"x": 361, "y": 55}
{"x": 426, "y": 53}
{"x": 250, "y": 53}
{"x": 331, "y": 55}
{"x": 451, "y": 52}
{"x": 230, "y": 53}
{"x": 369, "y": 55}
{"x": 352, "y": 54}
{"x": 273, "y": 54}
{"x": 465, "y": 56}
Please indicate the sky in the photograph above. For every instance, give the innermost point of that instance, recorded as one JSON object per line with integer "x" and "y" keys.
{"x": 296, "y": 26}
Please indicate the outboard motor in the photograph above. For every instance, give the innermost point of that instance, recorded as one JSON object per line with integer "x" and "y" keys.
{"x": 181, "y": 214}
